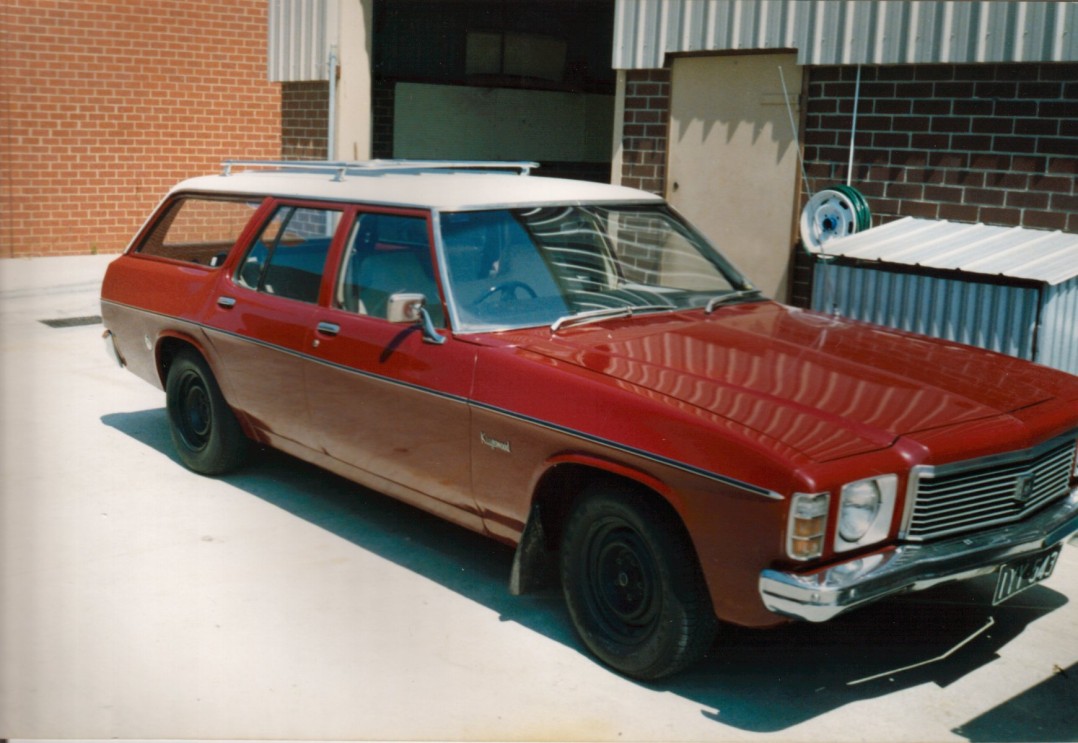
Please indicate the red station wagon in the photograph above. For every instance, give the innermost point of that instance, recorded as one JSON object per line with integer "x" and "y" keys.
{"x": 573, "y": 369}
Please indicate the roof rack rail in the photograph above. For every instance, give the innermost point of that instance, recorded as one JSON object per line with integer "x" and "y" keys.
{"x": 342, "y": 168}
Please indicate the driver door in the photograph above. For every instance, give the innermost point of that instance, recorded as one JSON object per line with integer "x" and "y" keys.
{"x": 388, "y": 404}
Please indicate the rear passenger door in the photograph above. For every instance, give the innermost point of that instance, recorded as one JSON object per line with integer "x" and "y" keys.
{"x": 263, "y": 317}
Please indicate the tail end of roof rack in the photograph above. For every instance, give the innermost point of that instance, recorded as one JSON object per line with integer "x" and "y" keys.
{"x": 374, "y": 167}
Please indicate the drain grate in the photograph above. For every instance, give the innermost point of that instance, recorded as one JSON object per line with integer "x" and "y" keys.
{"x": 73, "y": 322}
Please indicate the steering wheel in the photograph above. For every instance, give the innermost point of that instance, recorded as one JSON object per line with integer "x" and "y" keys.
{"x": 507, "y": 290}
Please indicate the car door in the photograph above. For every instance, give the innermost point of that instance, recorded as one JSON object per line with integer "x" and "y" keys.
{"x": 263, "y": 318}
{"x": 389, "y": 404}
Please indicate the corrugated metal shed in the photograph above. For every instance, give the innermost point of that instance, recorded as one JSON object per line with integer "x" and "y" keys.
{"x": 1009, "y": 289}
{"x": 1011, "y": 252}
{"x": 826, "y": 32}
{"x": 298, "y": 40}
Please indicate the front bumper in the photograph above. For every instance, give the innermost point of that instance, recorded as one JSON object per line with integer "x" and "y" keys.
{"x": 822, "y": 594}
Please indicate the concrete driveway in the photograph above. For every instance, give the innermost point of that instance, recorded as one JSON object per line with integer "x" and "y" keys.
{"x": 138, "y": 601}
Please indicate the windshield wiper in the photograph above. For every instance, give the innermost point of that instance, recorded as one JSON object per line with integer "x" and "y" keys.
{"x": 607, "y": 313}
{"x": 731, "y": 297}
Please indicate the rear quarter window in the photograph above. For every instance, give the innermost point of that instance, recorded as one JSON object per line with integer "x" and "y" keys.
{"x": 198, "y": 229}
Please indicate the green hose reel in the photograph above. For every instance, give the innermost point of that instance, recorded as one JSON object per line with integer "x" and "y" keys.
{"x": 837, "y": 211}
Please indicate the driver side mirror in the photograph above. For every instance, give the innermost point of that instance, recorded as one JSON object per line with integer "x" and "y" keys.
{"x": 409, "y": 307}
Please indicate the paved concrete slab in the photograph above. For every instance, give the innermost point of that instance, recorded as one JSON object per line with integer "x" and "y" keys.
{"x": 141, "y": 601}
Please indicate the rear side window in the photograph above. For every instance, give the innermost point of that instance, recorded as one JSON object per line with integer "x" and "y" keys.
{"x": 289, "y": 255}
{"x": 198, "y": 229}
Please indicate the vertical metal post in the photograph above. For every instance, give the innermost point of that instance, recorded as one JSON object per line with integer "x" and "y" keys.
{"x": 331, "y": 124}
{"x": 853, "y": 128}
{"x": 794, "y": 132}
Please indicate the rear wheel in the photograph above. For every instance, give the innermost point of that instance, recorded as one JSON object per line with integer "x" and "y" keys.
{"x": 633, "y": 585}
{"x": 205, "y": 432}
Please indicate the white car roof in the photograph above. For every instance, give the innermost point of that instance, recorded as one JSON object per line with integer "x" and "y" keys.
{"x": 421, "y": 185}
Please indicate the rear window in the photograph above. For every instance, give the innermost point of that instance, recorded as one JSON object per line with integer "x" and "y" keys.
{"x": 198, "y": 229}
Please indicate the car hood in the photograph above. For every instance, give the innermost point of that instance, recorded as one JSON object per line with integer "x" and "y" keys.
{"x": 825, "y": 386}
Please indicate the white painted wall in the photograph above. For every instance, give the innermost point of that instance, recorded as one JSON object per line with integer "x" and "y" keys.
{"x": 353, "y": 26}
{"x": 733, "y": 158}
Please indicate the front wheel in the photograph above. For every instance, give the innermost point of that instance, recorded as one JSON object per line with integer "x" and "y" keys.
{"x": 205, "y": 432}
{"x": 633, "y": 585}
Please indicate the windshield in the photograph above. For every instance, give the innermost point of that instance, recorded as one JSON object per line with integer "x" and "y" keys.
{"x": 515, "y": 268}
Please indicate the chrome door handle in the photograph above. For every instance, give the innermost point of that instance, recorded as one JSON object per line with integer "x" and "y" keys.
{"x": 328, "y": 328}
{"x": 226, "y": 302}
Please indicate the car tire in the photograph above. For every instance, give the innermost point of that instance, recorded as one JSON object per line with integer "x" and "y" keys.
{"x": 633, "y": 585}
{"x": 205, "y": 432}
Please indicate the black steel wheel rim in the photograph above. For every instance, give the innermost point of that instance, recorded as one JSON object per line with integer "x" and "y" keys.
{"x": 623, "y": 589}
{"x": 195, "y": 414}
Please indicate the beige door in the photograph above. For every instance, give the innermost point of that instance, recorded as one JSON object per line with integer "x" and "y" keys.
{"x": 733, "y": 158}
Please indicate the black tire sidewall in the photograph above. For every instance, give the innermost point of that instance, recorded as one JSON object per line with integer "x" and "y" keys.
{"x": 225, "y": 445}
{"x": 685, "y": 624}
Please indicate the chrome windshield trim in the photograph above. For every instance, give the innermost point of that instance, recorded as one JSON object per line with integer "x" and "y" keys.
{"x": 607, "y": 313}
{"x": 732, "y": 298}
{"x": 453, "y": 304}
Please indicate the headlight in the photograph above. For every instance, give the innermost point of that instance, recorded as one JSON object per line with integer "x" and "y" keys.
{"x": 864, "y": 511}
{"x": 860, "y": 507}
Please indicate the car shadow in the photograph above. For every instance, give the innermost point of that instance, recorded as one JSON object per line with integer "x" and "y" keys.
{"x": 1021, "y": 718}
{"x": 767, "y": 681}
{"x": 754, "y": 680}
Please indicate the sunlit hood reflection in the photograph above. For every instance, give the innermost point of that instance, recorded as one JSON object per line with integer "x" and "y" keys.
{"x": 827, "y": 387}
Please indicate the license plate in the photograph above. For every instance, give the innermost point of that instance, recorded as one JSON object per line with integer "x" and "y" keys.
{"x": 1019, "y": 575}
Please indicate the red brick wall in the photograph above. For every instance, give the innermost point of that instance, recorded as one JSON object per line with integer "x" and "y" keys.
{"x": 971, "y": 143}
{"x": 105, "y": 105}
{"x": 646, "y": 126}
{"x": 994, "y": 143}
{"x": 304, "y": 117}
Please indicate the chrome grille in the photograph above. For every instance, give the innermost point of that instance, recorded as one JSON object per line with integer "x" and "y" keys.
{"x": 967, "y": 496}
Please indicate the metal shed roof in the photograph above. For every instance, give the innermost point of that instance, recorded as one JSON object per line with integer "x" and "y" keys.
{"x": 1013, "y": 252}
{"x": 827, "y": 32}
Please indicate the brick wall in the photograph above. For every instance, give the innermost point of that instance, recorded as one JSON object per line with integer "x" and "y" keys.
{"x": 972, "y": 143}
{"x": 104, "y": 106}
{"x": 304, "y": 117}
{"x": 646, "y": 127}
{"x": 994, "y": 143}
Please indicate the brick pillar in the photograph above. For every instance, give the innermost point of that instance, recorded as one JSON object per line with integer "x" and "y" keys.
{"x": 646, "y": 130}
{"x": 304, "y": 120}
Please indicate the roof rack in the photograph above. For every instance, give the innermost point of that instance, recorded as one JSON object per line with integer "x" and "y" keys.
{"x": 370, "y": 167}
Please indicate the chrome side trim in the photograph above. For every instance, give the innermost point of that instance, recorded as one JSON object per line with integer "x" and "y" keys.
{"x": 642, "y": 453}
{"x": 650, "y": 456}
